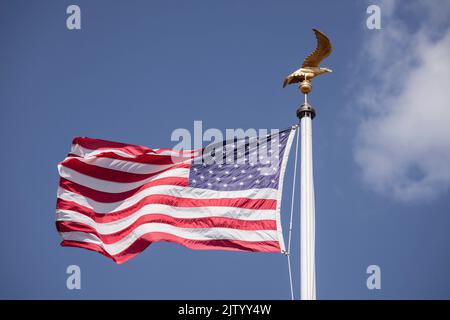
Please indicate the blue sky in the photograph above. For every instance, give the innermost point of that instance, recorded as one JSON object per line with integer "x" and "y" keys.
{"x": 137, "y": 70}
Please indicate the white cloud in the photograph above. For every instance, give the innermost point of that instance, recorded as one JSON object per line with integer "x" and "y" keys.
{"x": 403, "y": 140}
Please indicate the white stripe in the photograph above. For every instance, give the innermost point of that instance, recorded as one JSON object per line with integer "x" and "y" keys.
{"x": 116, "y": 187}
{"x": 184, "y": 153}
{"x": 184, "y": 213}
{"x": 119, "y": 225}
{"x": 187, "y": 233}
{"x": 85, "y": 152}
{"x": 125, "y": 166}
{"x": 175, "y": 191}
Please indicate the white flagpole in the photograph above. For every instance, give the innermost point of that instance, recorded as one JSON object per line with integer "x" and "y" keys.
{"x": 307, "y": 206}
{"x": 309, "y": 70}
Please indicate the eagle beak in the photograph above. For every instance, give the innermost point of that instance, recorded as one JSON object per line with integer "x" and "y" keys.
{"x": 328, "y": 70}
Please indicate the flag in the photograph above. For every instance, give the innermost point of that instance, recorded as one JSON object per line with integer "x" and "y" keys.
{"x": 117, "y": 198}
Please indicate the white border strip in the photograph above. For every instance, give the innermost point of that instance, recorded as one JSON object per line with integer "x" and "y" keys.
{"x": 280, "y": 187}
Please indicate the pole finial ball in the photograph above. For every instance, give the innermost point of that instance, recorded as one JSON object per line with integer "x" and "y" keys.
{"x": 305, "y": 86}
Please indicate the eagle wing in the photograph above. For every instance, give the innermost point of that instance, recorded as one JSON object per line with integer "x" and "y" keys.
{"x": 322, "y": 51}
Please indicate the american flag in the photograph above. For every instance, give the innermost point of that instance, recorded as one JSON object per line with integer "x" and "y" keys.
{"x": 117, "y": 198}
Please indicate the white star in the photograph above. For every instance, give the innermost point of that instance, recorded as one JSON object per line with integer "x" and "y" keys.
{"x": 257, "y": 181}
{"x": 236, "y": 165}
{"x": 218, "y": 179}
{"x": 241, "y": 183}
{"x": 225, "y": 185}
{"x": 210, "y": 172}
{"x": 202, "y": 177}
{"x": 250, "y": 176}
{"x": 209, "y": 184}
{"x": 227, "y": 172}
{"x": 234, "y": 178}
{"x": 194, "y": 181}
{"x": 242, "y": 171}
{"x": 195, "y": 169}
{"x": 273, "y": 181}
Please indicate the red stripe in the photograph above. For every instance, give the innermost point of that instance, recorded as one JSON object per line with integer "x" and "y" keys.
{"x": 110, "y": 174}
{"x": 147, "y": 239}
{"x": 244, "y": 203}
{"x": 132, "y": 149}
{"x": 107, "y": 197}
{"x": 99, "y": 144}
{"x": 209, "y": 222}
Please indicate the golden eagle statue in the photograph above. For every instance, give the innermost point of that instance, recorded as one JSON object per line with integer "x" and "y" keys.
{"x": 311, "y": 66}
